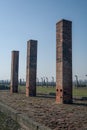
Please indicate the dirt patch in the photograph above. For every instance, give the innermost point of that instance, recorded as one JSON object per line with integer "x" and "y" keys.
{"x": 6, "y": 123}
{"x": 45, "y": 111}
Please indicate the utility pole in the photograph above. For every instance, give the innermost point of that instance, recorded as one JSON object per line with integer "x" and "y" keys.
{"x": 86, "y": 80}
{"x": 41, "y": 81}
{"x": 37, "y": 81}
{"x": 52, "y": 81}
{"x": 46, "y": 82}
{"x": 77, "y": 83}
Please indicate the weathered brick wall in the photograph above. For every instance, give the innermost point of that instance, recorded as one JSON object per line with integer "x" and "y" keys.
{"x": 64, "y": 61}
{"x": 14, "y": 72}
{"x": 31, "y": 68}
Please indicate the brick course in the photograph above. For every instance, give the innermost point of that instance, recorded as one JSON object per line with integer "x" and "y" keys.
{"x": 31, "y": 68}
{"x": 64, "y": 61}
{"x": 14, "y": 72}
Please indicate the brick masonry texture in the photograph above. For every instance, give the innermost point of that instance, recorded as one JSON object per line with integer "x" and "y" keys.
{"x": 14, "y": 72}
{"x": 31, "y": 68}
{"x": 64, "y": 61}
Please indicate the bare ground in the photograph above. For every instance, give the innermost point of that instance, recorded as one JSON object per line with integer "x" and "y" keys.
{"x": 45, "y": 111}
{"x": 6, "y": 123}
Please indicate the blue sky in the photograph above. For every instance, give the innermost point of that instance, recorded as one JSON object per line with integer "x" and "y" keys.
{"x": 21, "y": 20}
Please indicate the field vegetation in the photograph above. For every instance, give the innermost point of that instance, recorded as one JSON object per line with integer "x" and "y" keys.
{"x": 77, "y": 92}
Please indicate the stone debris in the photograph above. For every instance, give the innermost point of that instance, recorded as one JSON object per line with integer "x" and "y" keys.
{"x": 6, "y": 123}
{"x": 45, "y": 111}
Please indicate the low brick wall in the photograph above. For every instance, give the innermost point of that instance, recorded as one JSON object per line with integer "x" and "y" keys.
{"x": 23, "y": 120}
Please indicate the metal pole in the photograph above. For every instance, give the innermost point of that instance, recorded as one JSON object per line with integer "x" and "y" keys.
{"x": 86, "y": 81}
{"x": 77, "y": 84}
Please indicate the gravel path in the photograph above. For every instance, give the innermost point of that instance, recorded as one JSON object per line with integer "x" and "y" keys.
{"x": 46, "y": 111}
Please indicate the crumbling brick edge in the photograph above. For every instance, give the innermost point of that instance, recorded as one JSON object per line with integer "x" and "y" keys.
{"x": 22, "y": 119}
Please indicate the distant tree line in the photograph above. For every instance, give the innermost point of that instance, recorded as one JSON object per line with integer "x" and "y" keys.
{"x": 45, "y": 82}
{"x": 80, "y": 83}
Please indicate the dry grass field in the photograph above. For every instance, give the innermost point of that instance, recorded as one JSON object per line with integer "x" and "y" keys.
{"x": 77, "y": 92}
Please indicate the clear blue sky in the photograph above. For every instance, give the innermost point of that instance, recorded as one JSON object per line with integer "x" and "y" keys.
{"x": 21, "y": 20}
